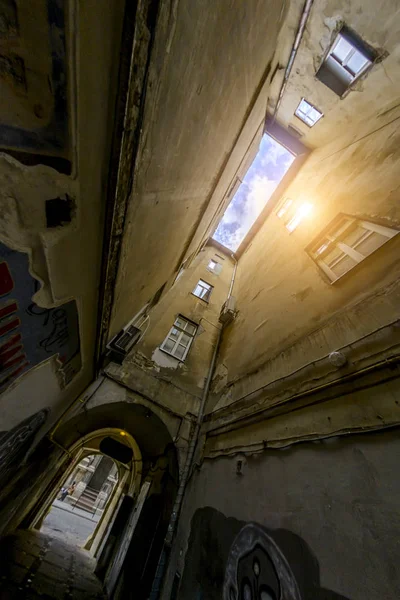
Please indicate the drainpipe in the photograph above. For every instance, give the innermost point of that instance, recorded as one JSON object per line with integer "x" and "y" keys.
{"x": 233, "y": 257}
{"x": 163, "y": 562}
{"x": 302, "y": 25}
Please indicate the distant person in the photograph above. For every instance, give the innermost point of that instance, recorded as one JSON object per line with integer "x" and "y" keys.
{"x": 71, "y": 488}
{"x": 67, "y": 491}
{"x": 63, "y": 494}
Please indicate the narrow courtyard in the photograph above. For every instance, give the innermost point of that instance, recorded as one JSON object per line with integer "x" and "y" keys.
{"x": 199, "y": 299}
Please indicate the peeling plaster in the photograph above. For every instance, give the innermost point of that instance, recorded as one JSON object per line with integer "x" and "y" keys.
{"x": 165, "y": 360}
{"x": 220, "y": 378}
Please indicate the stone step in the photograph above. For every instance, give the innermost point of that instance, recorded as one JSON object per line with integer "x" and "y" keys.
{"x": 87, "y": 500}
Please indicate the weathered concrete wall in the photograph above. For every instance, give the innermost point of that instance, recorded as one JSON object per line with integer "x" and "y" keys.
{"x": 114, "y": 399}
{"x": 108, "y": 392}
{"x": 371, "y": 96}
{"x": 277, "y": 418}
{"x": 331, "y": 507}
{"x": 204, "y": 76}
{"x": 65, "y": 260}
{"x": 289, "y": 314}
{"x": 147, "y": 369}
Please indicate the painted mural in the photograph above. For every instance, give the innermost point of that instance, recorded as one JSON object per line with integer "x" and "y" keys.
{"x": 235, "y": 560}
{"x": 33, "y": 81}
{"x": 30, "y": 334}
{"x": 257, "y": 569}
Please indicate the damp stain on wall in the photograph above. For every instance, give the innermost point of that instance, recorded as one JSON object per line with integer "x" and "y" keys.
{"x": 33, "y": 76}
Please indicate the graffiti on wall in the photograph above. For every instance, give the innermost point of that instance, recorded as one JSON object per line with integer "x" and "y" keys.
{"x": 30, "y": 334}
{"x": 15, "y": 443}
{"x": 257, "y": 569}
{"x": 235, "y": 560}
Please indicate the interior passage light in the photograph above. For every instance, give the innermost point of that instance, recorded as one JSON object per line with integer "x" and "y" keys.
{"x": 122, "y": 433}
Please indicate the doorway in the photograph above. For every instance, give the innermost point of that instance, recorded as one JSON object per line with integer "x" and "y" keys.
{"x": 82, "y": 500}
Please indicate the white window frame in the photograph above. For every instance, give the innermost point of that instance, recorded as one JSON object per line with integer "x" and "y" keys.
{"x": 343, "y": 64}
{"x": 216, "y": 269}
{"x": 178, "y": 341}
{"x": 304, "y": 115}
{"x": 284, "y": 207}
{"x": 339, "y": 69}
{"x": 292, "y": 214}
{"x": 208, "y": 287}
{"x": 324, "y": 245}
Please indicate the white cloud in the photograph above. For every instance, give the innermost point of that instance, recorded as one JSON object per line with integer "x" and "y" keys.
{"x": 246, "y": 211}
{"x": 274, "y": 154}
{"x": 253, "y": 194}
{"x": 261, "y": 189}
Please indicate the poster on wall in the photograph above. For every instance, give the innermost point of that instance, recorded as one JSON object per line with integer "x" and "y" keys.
{"x": 30, "y": 334}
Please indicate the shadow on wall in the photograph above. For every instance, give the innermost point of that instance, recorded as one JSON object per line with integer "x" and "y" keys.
{"x": 231, "y": 559}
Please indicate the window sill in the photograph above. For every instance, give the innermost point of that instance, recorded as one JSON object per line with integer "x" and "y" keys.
{"x": 198, "y": 298}
{"x": 182, "y": 360}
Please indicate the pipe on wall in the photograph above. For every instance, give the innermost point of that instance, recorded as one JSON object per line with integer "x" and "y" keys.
{"x": 302, "y": 25}
{"x": 172, "y": 525}
{"x": 163, "y": 562}
{"x": 233, "y": 275}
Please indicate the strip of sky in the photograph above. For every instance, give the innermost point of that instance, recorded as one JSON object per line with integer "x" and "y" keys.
{"x": 266, "y": 171}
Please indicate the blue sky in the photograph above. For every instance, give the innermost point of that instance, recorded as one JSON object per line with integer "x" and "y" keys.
{"x": 268, "y": 168}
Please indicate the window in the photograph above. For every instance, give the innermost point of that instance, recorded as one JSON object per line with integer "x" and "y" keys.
{"x": 179, "y": 338}
{"x": 307, "y": 113}
{"x": 348, "y": 58}
{"x": 293, "y": 215}
{"x": 348, "y": 242}
{"x": 301, "y": 213}
{"x": 215, "y": 267}
{"x": 284, "y": 208}
{"x": 203, "y": 290}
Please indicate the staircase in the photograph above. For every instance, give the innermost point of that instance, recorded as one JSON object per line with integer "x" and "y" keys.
{"x": 87, "y": 500}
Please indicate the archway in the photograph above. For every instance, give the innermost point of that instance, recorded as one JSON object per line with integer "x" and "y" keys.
{"x": 94, "y": 473}
{"x": 125, "y": 548}
{"x": 82, "y": 500}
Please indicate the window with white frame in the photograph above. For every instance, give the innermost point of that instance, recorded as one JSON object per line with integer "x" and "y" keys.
{"x": 179, "y": 338}
{"x": 293, "y": 214}
{"x": 348, "y": 58}
{"x": 214, "y": 266}
{"x": 203, "y": 290}
{"x": 348, "y": 242}
{"x": 284, "y": 207}
{"x": 307, "y": 113}
{"x": 302, "y": 212}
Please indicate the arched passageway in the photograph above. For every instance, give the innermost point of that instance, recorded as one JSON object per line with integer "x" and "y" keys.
{"x": 82, "y": 500}
{"x": 128, "y": 446}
